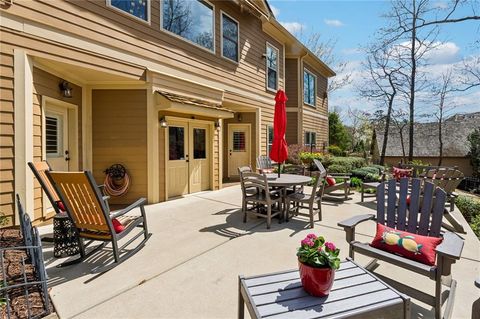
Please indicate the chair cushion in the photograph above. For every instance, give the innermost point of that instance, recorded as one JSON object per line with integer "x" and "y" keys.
{"x": 411, "y": 246}
{"x": 60, "y": 206}
{"x": 398, "y": 173}
{"x": 330, "y": 181}
{"x": 117, "y": 226}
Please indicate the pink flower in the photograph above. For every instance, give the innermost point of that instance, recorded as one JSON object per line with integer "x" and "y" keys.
{"x": 307, "y": 242}
{"x": 320, "y": 249}
{"x": 330, "y": 246}
{"x": 312, "y": 236}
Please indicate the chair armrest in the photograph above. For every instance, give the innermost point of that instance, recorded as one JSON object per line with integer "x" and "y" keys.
{"x": 121, "y": 212}
{"x": 354, "y": 221}
{"x": 451, "y": 246}
{"x": 105, "y": 198}
{"x": 340, "y": 175}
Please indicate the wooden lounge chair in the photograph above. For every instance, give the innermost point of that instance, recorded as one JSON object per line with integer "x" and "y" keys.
{"x": 262, "y": 197}
{"x": 300, "y": 199}
{"x": 448, "y": 179}
{"x": 92, "y": 217}
{"x": 331, "y": 190}
{"x": 422, "y": 219}
{"x": 264, "y": 164}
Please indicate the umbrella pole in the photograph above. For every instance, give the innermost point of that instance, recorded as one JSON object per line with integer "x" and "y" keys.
{"x": 279, "y": 170}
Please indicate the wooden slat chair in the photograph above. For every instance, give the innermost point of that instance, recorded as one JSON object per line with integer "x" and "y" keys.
{"x": 264, "y": 164}
{"x": 296, "y": 170}
{"x": 92, "y": 217}
{"x": 330, "y": 190}
{"x": 423, "y": 217}
{"x": 245, "y": 191}
{"x": 301, "y": 199}
{"x": 262, "y": 197}
{"x": 448, "y": 179}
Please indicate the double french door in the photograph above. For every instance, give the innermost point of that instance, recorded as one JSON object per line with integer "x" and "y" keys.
{"x": 188, "y": 165}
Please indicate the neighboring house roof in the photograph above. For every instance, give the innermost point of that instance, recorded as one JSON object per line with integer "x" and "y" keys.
{"x": 455, "y": 132}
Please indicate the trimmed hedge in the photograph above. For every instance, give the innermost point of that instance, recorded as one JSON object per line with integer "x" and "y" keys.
{"x": 470, "y": 209}
{"x": 344, "y": 164}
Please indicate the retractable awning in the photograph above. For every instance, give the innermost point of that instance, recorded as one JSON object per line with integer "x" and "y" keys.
{"x": 168, "y": 101}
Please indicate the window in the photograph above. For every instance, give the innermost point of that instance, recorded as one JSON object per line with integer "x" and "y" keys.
{"x": 229, "y": 38}
{"x": 137, "y": 8}
{"x": 192, "y": 20}
{"x": 52, "y": 136}
{"x": 272, "y": 67}
{"x": 176, "y": 136}
{"x": 239, "y": 141}
{"x": 269, "y": 139}
{"x": 199, "y": 143}
{"x": 309, "y": 87}
{"x": 310, "y": 139}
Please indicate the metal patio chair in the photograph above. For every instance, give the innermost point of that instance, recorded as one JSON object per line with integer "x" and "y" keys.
{"x": 93, "y": 219}
{"x": 423, "y": 217}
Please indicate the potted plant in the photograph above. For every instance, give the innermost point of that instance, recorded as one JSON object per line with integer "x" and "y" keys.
{"x": 317, "y": 261}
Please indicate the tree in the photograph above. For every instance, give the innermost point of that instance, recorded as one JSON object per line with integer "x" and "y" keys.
{"x": 474, "y": 140}
{"x": 399, "y": 119}
{"x": 337, "y": 133}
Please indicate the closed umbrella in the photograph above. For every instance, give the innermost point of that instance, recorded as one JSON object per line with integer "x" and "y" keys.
{"x": 279, "y": 152}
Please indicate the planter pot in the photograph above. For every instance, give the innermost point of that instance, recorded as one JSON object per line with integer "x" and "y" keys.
{"x": 316, "y": 281}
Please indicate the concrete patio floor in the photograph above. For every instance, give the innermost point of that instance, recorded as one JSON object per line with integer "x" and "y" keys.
{"x": 189, "y": 268}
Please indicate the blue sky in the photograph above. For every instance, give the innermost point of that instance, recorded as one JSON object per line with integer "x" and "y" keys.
{"x": 353, "y": 24}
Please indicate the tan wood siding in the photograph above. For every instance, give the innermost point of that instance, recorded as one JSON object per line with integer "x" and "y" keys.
{"x": 291, "y": 82}
{"x": 97, "y": 22}
{"x": 292, "y": 128}
{"x": 7, "y": 186}
{"x": 119, "y": 134}
{"x": 47, "y": 85}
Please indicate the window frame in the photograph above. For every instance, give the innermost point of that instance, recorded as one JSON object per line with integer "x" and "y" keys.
{"x": 268, "y": 44}
{"x": 310, "y": 134}
{"x": 268, "y": 137}
{"x": 187, "y": 40}
{"x": 223, "y": 13}
{"x": 149, "y": 12}
{"x": 314, "y": 87}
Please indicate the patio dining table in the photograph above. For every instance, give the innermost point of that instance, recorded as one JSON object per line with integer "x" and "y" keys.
{"x": 285, "y": 181}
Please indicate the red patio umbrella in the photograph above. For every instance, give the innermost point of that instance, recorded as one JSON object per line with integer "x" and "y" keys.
{"x": 279, "y": 152}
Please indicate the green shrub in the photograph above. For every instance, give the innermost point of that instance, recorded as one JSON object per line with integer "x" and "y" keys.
{"x": 380, "y": 168}
{"x": 337, "y": 168}
{"x": 356, "y": 182}
{"x": 335, "y": 150}
{"x": 372, "y": 178}
{"x": 294, "y": 152}
{"x": 470, "y": 209}
{"x": 348, "y": 164}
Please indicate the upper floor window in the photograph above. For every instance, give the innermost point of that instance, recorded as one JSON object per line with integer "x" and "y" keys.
{"x": 229, "y": 38}
{"x": 309, "y": 87}
{"x": 137, "y": 8}
{"x": 192, "y": 20}
{"x": 310, "y": 139}
{"x": 272, "y": 67}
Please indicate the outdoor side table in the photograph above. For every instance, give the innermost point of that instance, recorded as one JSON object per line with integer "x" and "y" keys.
{"x": 356, "y": 293}
{"x": 65, "y": 239}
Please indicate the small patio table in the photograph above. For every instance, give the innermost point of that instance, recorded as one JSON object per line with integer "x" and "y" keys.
{"x": 356, "y": 293}
{"x": 285, "y": 181}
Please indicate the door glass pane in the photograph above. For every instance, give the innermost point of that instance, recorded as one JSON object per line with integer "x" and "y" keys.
{"x": 199, "y": 143}
{"x": 239, "y": 141}
{"x": 176, "y": 143}
{"x": 52, "y": 131}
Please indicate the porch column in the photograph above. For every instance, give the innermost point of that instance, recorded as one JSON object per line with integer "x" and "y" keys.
{"x": 23, "y": 111}
{"x": 153, "y": 179}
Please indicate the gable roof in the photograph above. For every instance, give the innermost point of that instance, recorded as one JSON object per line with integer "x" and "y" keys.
{"x": 455, "y": 132}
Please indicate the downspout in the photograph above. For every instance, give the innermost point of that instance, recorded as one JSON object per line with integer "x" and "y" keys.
{"x": 300, "y": 100}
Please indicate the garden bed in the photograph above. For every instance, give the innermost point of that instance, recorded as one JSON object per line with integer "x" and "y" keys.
{"x": 25, "y": 301}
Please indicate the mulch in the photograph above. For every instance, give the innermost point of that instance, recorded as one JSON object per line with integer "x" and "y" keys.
{"x": 15, "y": 272}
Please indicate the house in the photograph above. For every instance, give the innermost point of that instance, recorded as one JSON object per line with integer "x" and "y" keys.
{"x": 455, "y": 131}
{"x": 179, "y": 92}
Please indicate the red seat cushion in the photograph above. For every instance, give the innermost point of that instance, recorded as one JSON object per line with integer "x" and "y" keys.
{"x": 411, "y": 246}
{"x": 117, "y": 226}
{"x": 60, "y": 206}
{"x": 400, "y": 172}
{"x": 330, "y": 181}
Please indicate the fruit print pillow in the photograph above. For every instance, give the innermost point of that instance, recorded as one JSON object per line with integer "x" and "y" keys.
{"x": 412, "y": 246}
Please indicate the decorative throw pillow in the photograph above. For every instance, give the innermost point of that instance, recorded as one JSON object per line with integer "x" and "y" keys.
{"x": 117, "y": 226}
{"x": 412, "y": 246}
{"x": 330, "y": 181}
{"x": 400, "y": 172}
{"x": 60, "y": 206}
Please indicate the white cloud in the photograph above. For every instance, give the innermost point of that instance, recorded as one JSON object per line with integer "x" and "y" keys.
{"x": 446, "y": 52}
{"x": 293, "y": 27}
{"x": 333, "y": 23}
{"x": 351, "y": 51}
{"x": 275, "y": 10}
{"x": 440, "y": 5}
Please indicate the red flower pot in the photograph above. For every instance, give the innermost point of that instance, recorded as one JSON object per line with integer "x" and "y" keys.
{"x": 316, "y": 281}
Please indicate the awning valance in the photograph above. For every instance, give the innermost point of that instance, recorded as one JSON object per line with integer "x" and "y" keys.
{"x": 183, "y": 104}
